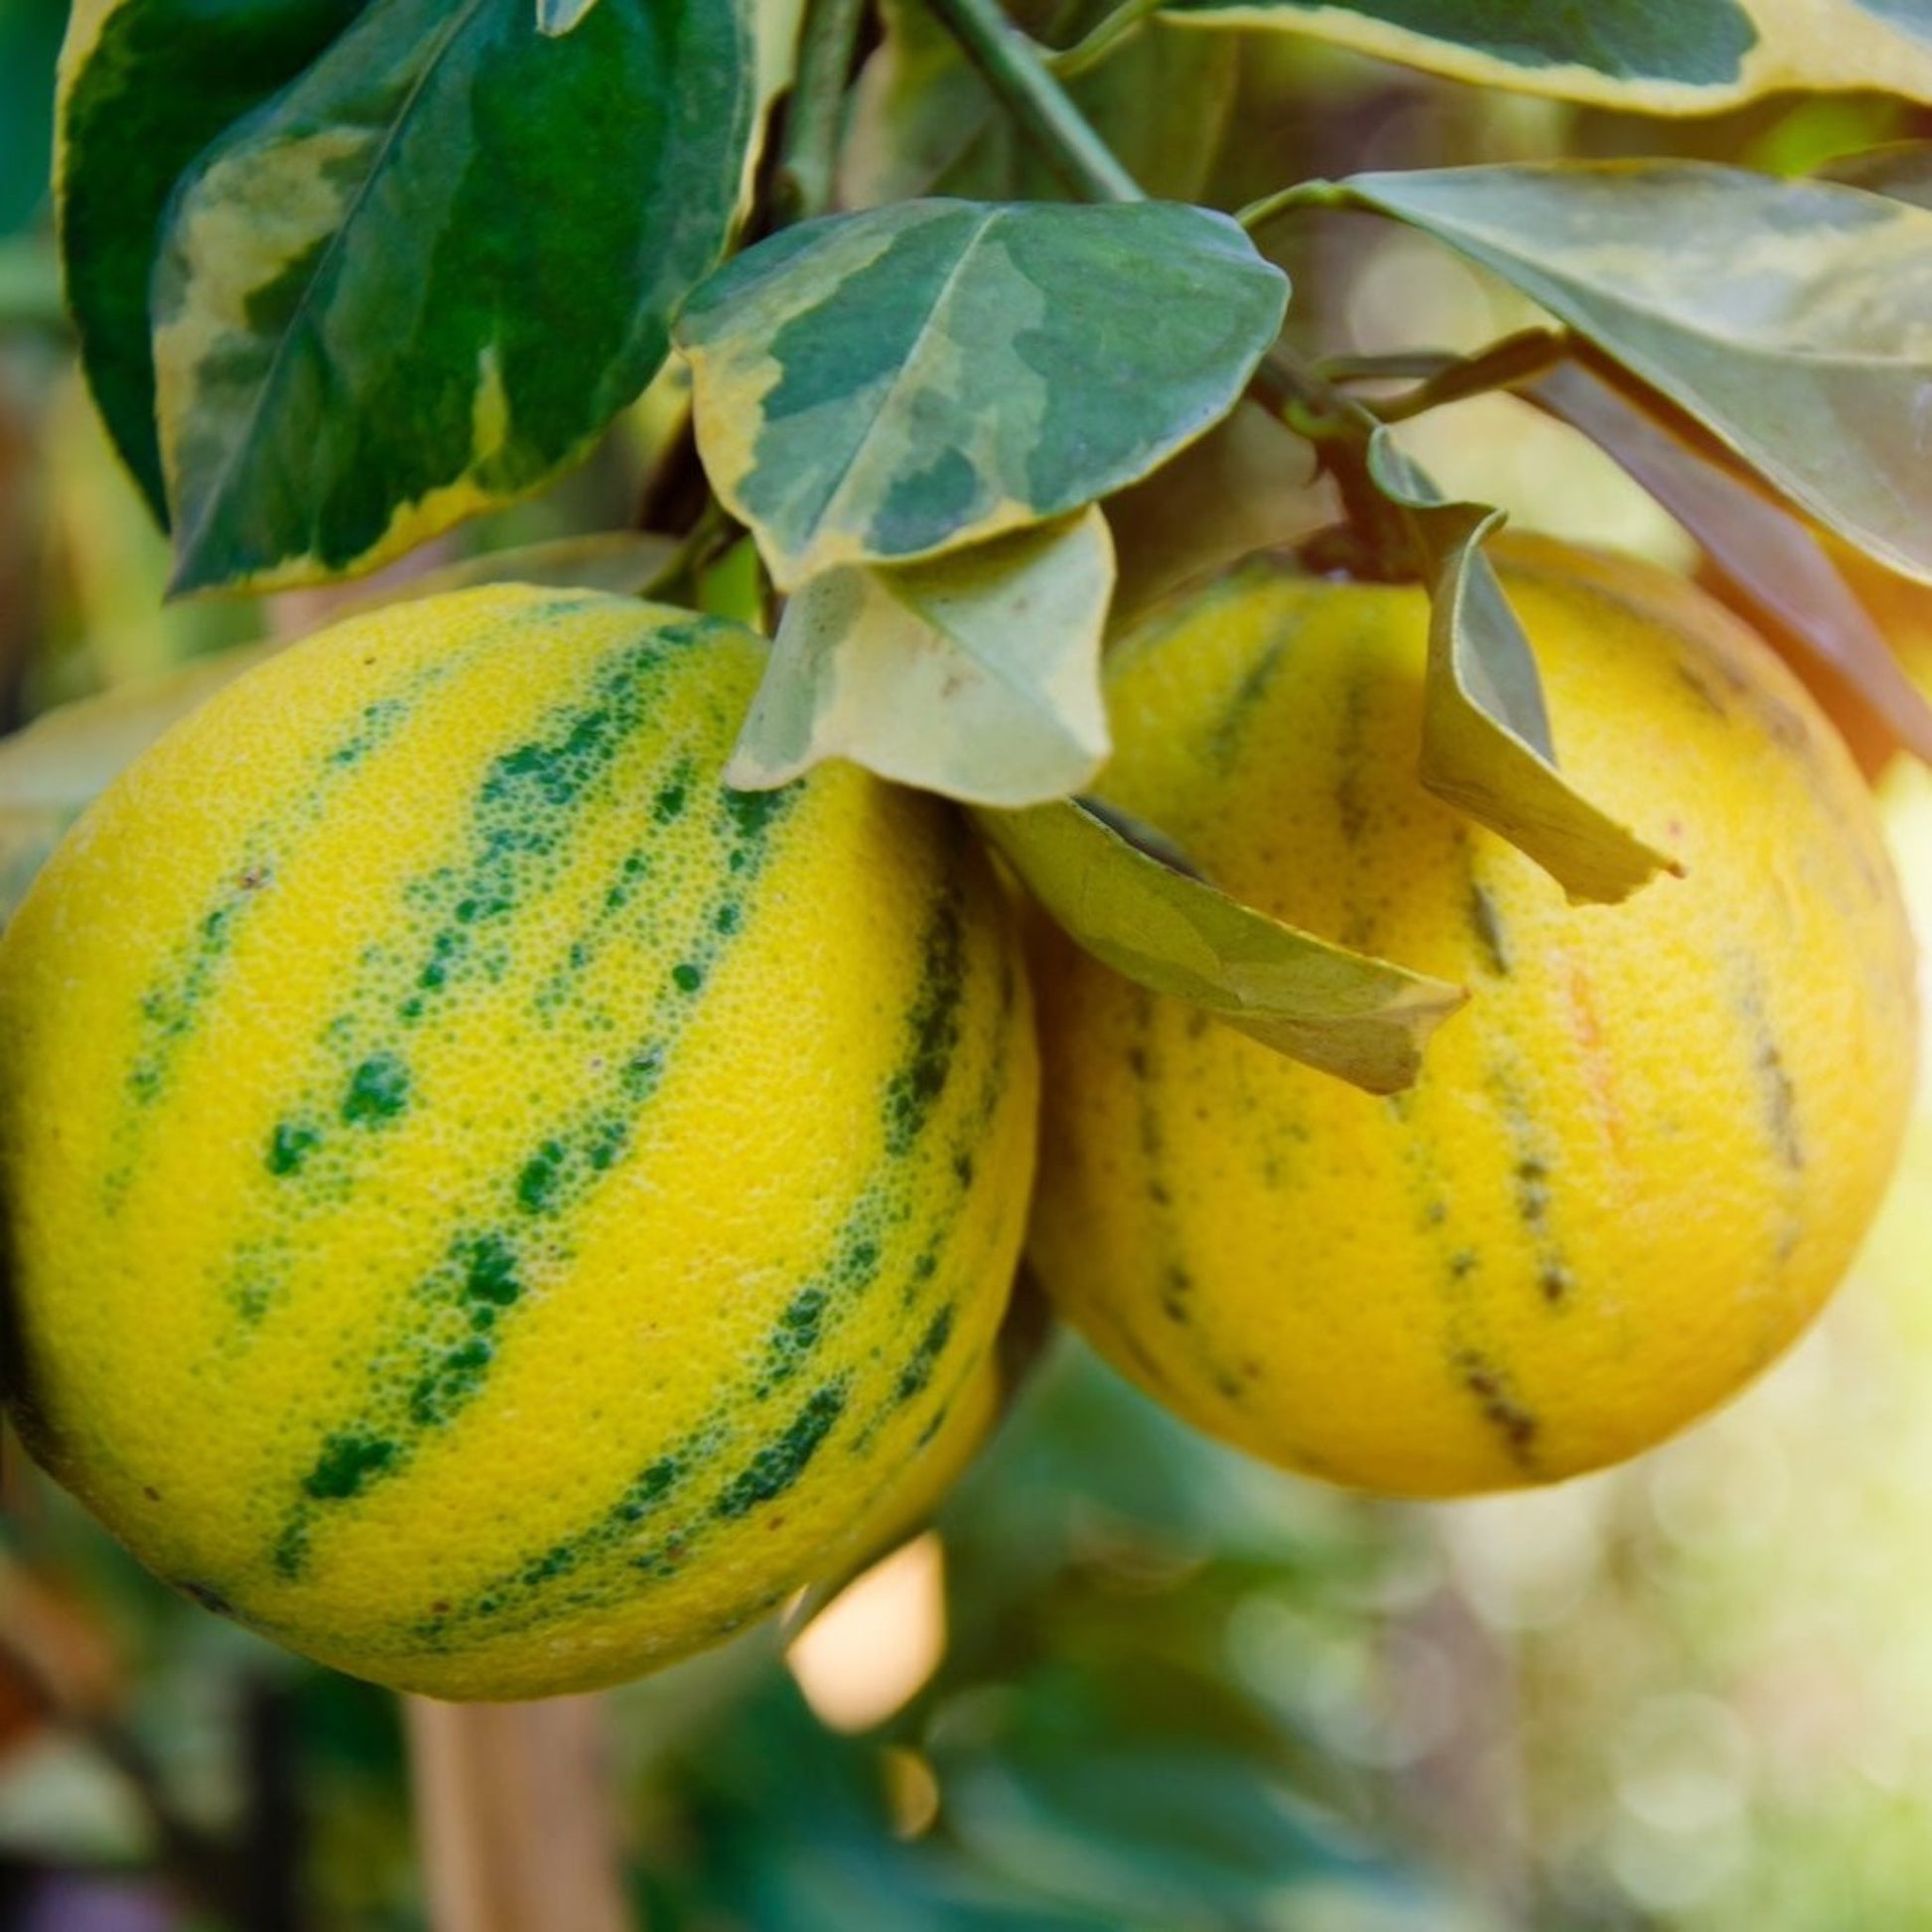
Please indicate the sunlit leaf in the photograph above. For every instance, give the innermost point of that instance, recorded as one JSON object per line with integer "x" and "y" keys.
{"x": 1770, "y": 557}
{"x": 976, "y": 675}
{"x": 1793, "y": 319}
{"x": 1343, "y": 1012}
{"x": 431, "y": 271}
{"x": 880, "y": 387}
{"x": 1690, "y": 56}
{"x": 145, "y": 86}
{"x": 1487, "y": 744}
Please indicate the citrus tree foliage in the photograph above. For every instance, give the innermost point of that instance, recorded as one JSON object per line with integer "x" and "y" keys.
{"x": 347, "y": 271}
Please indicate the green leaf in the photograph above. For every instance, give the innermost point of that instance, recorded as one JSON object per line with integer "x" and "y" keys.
{"x": 1487, "y": 744}
{"x": 1769, "y": 558}
{"x": 880, "y": 387}
{"x": 1690, "y": 56}
{"x": 145, "y": 85}
{"x": 1793, "y": 319}
{"x": 1358, "y": 1018}
{"x": 976, "y": 675}
{"x": 430, "y": 272}
{"x": 558, "y": 16}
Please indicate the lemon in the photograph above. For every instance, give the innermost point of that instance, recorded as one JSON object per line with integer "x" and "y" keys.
{"x": 489, "y": 1206}
{"x": 1632, "y": 1168}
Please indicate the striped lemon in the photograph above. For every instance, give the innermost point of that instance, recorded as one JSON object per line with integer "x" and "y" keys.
{"x": 489, "y": 1206}
{"x": 1631, "y": 1169}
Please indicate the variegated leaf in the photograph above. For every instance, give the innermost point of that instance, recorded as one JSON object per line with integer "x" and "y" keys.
{"x": 1689, "y": 56}
{"x": 1487, "y": 744}
{"x": 1793, "y": 319}
{"x": 976, "y": 675}
{"x": 1359, "y": 1017}
{"x": 146, "y": 86}
{"x": 880, "y": 387}
{"x": 427, "y": 274}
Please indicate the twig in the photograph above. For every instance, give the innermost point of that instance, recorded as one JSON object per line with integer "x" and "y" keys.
{"x": 516, "y": 1813}
{"x": 815, "y": 118}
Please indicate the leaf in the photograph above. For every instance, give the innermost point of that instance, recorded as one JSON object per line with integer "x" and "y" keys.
{"x": 880, "y": 387}
{"x": 1358, "y": 1018}
{"x": 145, "y": 85}
{"x": 1691, "y": 56}
{"x": 558, "y": 16}
{"x": 1768, "y": 556}
{"x": 976, "y": 675}
{"x": 426, "y": 275}
{"x": 624, "y": 563}
{"x": 1793, "y": 319}
{"x": 1487, "y": 744}
{"x": 1249, "y": 482}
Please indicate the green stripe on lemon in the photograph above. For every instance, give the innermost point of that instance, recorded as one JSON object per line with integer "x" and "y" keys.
{"x": 532, "y": 1264}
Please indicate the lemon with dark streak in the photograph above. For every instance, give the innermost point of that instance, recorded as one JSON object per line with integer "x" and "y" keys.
{"x": 1633, "y": 1168}
{"x": 489, "y": 1205}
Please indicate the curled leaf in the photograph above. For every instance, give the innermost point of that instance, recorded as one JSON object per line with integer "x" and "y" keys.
{"x": 1358, "y": 1018}
{"x": 976, "y": 675}
{"x": 1487, "y": 743}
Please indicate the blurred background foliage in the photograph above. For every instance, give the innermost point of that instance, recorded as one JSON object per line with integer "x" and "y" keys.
{"x": 1129, "y": 1680}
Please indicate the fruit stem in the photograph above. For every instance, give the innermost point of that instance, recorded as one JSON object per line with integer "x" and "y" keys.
{"x": 804, "y": 184}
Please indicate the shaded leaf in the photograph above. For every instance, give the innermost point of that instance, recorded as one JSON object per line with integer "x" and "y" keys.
{"x": 1487, "y": 744}
{"x": 1793, "y": 319}
{"x": 625, "y": 563}
{"x": 880, "y": 387}
{"x": 1361, "y": 1018}
{"x": 1767, "y": 556}
{"x": 976, "y": 675}
{"x": 394, "y": 298}
{"x": 1248, "y": 484}
{"x": 146, "y": 86}
{"x": 1486, "y": 739}
{"x": 1691, "y": 56}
